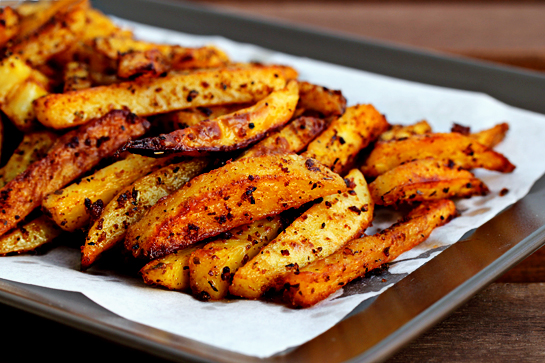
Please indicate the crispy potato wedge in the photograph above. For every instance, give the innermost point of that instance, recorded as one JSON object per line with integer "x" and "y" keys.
{"x": 492, "y": 136}
{"x": 9, "y": 25}
{"x": 149, "y": 63}
{"x": 36, "y": 16}
{"x": 238, "y": 84}
{"x": 13, "y": 72}
{"x": 292, "y": 138}
{"x": 18, "y": 105}
{"x": 58, "y": 34}
{"x": 130, "y": 204}
{"x": 225, "y": 133}
{"x": 462, "y": 150}
{"x": 318, "y": 232}
{"x": 73, "y": 154}
{"x": 72, "y": 207}
{"x": 321, "y": 278}
{"x": 320, "y": 100}
{"x": 32, "y": 148}
{"x": 397, "y": 132}
{"x": 29, "y": 236}
{"x": 212, "y": 267}
{"x": 425, "y": 179}
{"x": 27, "y": 8}
{"x": 76, "y": 76}
{"x": 171, "y": 271}
{"x": 338, "y": 146}
{"x": 227, "y": 197}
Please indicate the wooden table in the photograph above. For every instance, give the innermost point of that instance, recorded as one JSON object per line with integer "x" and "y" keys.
{"x": 503, "y": 323}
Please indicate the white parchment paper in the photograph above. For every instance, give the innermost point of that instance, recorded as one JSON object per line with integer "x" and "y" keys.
{"x": 264, "y": 329}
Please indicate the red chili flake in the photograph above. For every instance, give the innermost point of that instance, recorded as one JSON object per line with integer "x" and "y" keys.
{"x": 285, "y": 252}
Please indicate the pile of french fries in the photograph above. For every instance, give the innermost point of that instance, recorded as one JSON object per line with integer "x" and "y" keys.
{"x": 218, "y": 178}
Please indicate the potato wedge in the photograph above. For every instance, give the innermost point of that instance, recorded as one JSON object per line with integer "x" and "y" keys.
{"x": 320, "y": 100}
{"x": 338, "y": 146}
{"x": 29, "y": 236}
{"x": 397, "y": 132}
{"x": 227, "y": 197}
{"x": 462, "y": 150}
{"x": 225, "y": 133}
{"x": 73, "y": 154}
{"x": 318, "y": 232}
{"x": 492, "y": 136}
{"x": 212, "y": 266}
{"x": 69, "y": 207}
{"x": 238, "y": 84}
{"x": 292, "y": 138}
{"x": 37, "y": 15}
{"x": 76, "y": 76}
{"x": 149, "y": 63}
{"x": 425, "y": 179}
{"x": 130, "y": 204}
{"x": 171, "y": 271}
{"x": 13, "y": 72}
{"x": 318, "y": 280}
{"x": 9, "y": 25}
{"x": 18, "y": 105}
{"x": 32, "y": 148}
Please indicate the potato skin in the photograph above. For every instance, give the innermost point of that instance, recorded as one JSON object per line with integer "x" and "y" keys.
{"x": 72, "y": 155}
{"x": 492, "y": 136}
{"x": 397, "y": 132}
{"x": 29, "y": 236}
{"x": 321, "y": 278}
{"x": 238, "y": 193}
{"x": 320, "y": 100}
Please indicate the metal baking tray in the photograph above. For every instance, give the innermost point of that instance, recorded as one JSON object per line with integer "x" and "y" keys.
{"x": 63, "y": 325}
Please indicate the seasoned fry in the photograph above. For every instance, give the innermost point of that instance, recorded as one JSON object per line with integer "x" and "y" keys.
{"x": 29, "y": 236}
{"x": 225, "y": 133}
{"x": 76, "y": 76}
{"x": 212, "y": 267}
{"x": 36, "y": 16}
{"x": 230, "y": 196}
{"x": 397, "y": 132}
{"x": 492, "y": 136}
{"x": 13, "y": 72}
{"x": 319, "y": 232}
{"x": 129, "y": 205}
{"x": 9, "y": 25}
{"x": 149, "y": 63}
{"x": 32, "y": 148}
{"x": 292, "y": 138}
{"x": 462, "y": 150}
{"x": 70, "y": 207}
{"x": 345, "y": 137}
{"x": 171, "y": 271}
{"x": 18, "y": 105}
{"x": 318, "y": 280}
{"x": 238, "y": 84}
{"x": 425, "y": 179}
{"x": 72, "y": 155}
{"x": 318, "y": 99}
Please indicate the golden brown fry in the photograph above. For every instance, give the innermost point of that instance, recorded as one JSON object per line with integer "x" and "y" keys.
{"x": 462, "y": 150}
{"x": 129, "y": 205}
{"x": 320, "y": 279}
{"x": 32, "y": 148}
{"x": 318, "y": 99}
{"x": 171, "y": 271}
{"x": 338, "y": 146}
{"x": 29, "y": 236}
{"x": 212, "y": 267}
{"x": 397, "y": 132}
{"x": 225, "y": 133}
{"x": 149, "y": 63}
{"x": 319, "y": 232}
{"x": 72, "y": 207}
{"x": 18, "y": 105}
{"x": 36, "y": 16}
{"x": 425, "y": 179}
{"x": 492, "y": 136}
{"x": 9, "y": 25}
{"x": 238, "y": 193}
{"x": 239, "y": 84}
{"x": 76, "y": 76}
{"x": 73, "y": 154}
{"x": 13, "y": 72}
{"x": 292, "y": 138}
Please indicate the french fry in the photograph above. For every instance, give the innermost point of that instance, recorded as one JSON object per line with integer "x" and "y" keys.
{"x": 76, "y": 77}
{"x": 318, "y": 232}
{"x": 37, "y": 15}
{"x": 338, "y": 146}
{"x": 18, "y": 105}
{"x": 492, "y": 136}
{"x": 29, "y": 236}
{"x": 73, "y": 154}
{"x": 318, "y": 280}
{"x": 397, "y": 132}
{"x": 9, "y": 25}
{"x": 32, "y": 148}
{"x": 212, "y": 266}
{"x": 13, "y": 72}
{"x": 238, "y": 84}
{"x": 69, "y": 207}
{"x": 318, "y": 99}
{"x": 149, "y": 63}
{"x": 225, "y": 133}
{"x": 462, "y": 150}
{"x": 227, "y": 197}
{"x": 131, "y": 203}
{"x": 425, "y": 179}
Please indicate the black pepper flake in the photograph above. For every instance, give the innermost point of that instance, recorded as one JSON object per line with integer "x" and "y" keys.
{"x": 387, "y": 251}
{"x": 285, "y": 252}
{"x": 192, "y": 95}
{"x": 251, "y": 125}
{"x": 355, "y": 209}
{"x": 503, "y": 192}
{"x": 311, "y": 165}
